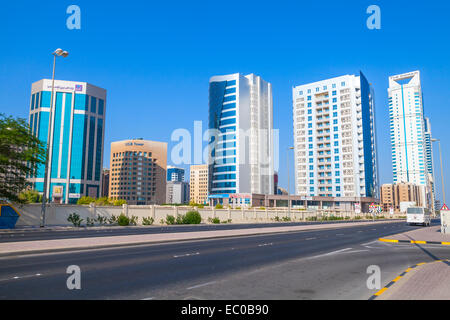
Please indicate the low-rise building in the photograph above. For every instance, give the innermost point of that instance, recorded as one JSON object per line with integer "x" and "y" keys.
{"x": 394, "y": 194}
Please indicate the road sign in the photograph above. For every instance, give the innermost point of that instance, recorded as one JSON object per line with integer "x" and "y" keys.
{"x": 444, "y": 207}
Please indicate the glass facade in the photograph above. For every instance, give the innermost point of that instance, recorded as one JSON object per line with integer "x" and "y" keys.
{"x": 222, "y": 117}
{"x": 76, "y": 145}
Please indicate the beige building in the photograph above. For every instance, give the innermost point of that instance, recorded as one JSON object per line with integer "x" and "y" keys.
{"x": 393, "y": 194}
{"x": 138, "y": 171}
{"x": 199, "y": 183}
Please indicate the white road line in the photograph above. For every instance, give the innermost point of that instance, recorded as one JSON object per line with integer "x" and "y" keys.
{"x": 355, "y": 251}
{"x": 265, "y": 244}
{"x": 21, "y": 277}
{"x": 201, "y": 285}
{"x": 310, "y": 238}
{"x": 367, "y": 243}
{"x": 339, "y": 234}
{"x": 186, "y": 255}
{"x": 151, "y": 298}
{"x": 329, "y": 253}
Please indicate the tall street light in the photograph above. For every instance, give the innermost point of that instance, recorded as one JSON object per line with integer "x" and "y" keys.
{"x": 442, "y": 173}
{"x": 289, "y": 184}
{"x": 58, "y": 53}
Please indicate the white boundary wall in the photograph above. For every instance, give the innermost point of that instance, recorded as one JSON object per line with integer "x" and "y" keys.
{"x": 58, "y": 214}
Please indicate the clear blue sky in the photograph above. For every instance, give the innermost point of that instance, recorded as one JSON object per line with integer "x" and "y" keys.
{"x": 155, "y": 58}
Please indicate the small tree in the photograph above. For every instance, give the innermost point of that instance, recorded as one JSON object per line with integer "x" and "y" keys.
{"x": 30, "y": 196}
{"x": 21, "y": 153}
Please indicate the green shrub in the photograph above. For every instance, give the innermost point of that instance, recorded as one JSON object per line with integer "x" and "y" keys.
{"x": 75, "y": 219}
{"x": 192, "y": 217}
{"x": 179, "y": 219}
{"x": 226, "y": 221}
{"x": 90, "y": 222}
{"x": 276, "y": 218}
{"x": 201, "y": 206}
{"x": 85, "y": 200}
{"x": 119, "y": 202}
{"x": 103, "y": 201}
{"x": 286, "y": 219}
{"x": 133, "y": 220}
{"x": 101, "y": 220}
{"x": 147, "y": 221}
{"x": 170, "y": 219}
{"x": 219, "y": 206}
{"x": 123, "y": 220}
{"x": 30, "y": 196}
{"x": 112, "y": 219}
{"x": 214, "y": 220}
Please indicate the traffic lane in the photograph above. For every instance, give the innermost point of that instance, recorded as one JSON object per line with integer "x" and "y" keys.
{"x": 107, "y": 272}
{"x": 340, "y": 274}
{"x": 29, "y": 235}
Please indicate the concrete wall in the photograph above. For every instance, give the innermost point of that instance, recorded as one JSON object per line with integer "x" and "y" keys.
{"x": 58, "y": 214}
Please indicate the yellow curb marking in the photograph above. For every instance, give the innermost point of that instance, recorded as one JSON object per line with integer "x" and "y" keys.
{"x": 387, "y": 240}
{"x": 381, "y": 291}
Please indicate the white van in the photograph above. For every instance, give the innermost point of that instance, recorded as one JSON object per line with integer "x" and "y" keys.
{"x": 418, "y": 215}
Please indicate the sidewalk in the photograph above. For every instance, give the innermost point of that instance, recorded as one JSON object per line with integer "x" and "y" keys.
{"x": 423, "y": 235}
{"x": 429, "y": 281}
{"x": 36, "y": 246}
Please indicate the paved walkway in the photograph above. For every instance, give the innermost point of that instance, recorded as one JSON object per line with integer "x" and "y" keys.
{"x": 430, "y": 281}
{"x": 98, "y": 242}
{"x": 428, "y": 234}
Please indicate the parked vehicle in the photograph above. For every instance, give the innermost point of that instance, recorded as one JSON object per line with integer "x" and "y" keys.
{"x": 418, "y": 215}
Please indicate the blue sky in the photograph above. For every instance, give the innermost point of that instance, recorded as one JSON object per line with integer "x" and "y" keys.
{"x": 155, "y": 58}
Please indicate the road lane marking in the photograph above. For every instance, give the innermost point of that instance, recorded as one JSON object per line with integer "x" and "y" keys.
{"x": 329, "y": 253}
{"x": 310, "y": 238}
{"x": 355, "y": 251}
{"x": 151, "y": 298}
{"x": 187, "y": 255}
{"x": 201, "y": 285}
{"x": 265, "y": 244}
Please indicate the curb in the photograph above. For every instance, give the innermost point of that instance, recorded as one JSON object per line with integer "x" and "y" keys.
{"x": 444, "y": 243}
{"x": 400, "y": 276}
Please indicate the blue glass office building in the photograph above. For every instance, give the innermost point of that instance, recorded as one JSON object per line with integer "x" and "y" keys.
{"x": 77, "y": 128}
{"x": 240, "y": 114}
{"x": 175, "y": 174}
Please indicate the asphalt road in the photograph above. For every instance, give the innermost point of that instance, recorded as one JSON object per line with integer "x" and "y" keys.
{"x": 320, "y": 264}
{"x": 47, "y": 234}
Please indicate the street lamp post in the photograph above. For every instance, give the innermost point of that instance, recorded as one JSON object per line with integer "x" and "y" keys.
{"x": 59, "y": 53}
{"x": 289, "y": 184}
{"x": 442, "y": 173}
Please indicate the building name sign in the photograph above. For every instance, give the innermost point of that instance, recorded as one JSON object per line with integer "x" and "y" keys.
{"x": 134, "y": 144}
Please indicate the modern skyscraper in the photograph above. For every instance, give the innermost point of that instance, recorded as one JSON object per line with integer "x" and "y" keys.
{"x": 175, "y": 174}
{"x": 199, "y": 178}
{"x": 334, "y": 138}
{"x": 410, "y": 133}
{"x": 138, "y": 171}
{"x": 240, "y": 111}
{"x": 76, "y": 137}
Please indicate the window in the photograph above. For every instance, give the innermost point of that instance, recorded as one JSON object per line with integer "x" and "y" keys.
{"x": 334, "y": 92}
